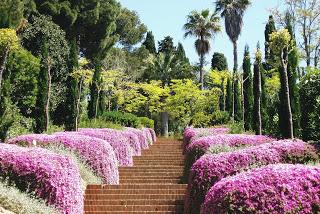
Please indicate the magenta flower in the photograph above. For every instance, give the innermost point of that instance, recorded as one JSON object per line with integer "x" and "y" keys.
{"x": 52, "y": 177}
{"x": 281, "y": 188}
{"x": 121, "y": 146}
{"x": 142, "y": 138}
{"x": 210, "y": 169}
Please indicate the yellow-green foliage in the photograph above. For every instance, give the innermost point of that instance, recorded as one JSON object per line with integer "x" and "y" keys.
{"x": 8, "y": 40}
{"x": 279, "y": 40}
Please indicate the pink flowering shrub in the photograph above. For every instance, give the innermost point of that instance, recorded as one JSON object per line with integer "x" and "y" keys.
{"x": 147, "y": 135}
{"x": 54, "y": 178}
{"x": 209, "y": 169}
{"x": 142, "y": 138}
{"x": 96, "y": 152}
{"x": 198, "y": 147}
{"x": 153, "y": 135}
{"x": 133, "y": 139}
{"x": 192, "y": 133}
{"x": 121, "y": 146}
{"x": 281, "y": 188}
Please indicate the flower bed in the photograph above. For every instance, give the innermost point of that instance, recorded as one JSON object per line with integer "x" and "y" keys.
{"x": 96, "y": 152}
{"x": 142, "y": 138}
{"x": 54, "y": 178}
{"x": 281, "y": 188}
{"x": 198, "y": 147}
{"x": 133, "y": 139}
{"x": 121, "y": 146}
{"x": 191, "y": 133}
{"x": 147, "y": 135}
{"x": 153, "y": 135}
{"x": 209, "y": 169}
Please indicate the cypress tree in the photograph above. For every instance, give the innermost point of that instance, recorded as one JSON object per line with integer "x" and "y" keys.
{"x": 229, "y": 97}
{"x": 257, "y": 94}
{"x": 94, "y": 102}
{"x": 149, "y": 43}
{"x": 237, "y": 101}
{"x": 247, "y": 90}
{"x": 72, "y": 88}
{"x": 222, "y": 97}
{"x": 181, "y": 54}
{"x": 270, "y": 28}
{"x": 219, "y": 62}
{"x": 43, "y": 88}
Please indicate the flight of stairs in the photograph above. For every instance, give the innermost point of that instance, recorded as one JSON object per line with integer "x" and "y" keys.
{"x": 152, "y": 185}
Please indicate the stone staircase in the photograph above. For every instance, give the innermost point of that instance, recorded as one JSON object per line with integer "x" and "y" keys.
{"x": 152, "y": 185}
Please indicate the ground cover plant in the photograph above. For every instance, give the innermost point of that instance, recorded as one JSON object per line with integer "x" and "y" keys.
{"x": 52, "y": 177}
{"x": 281, "y": 188}
{"x": 209, "y": 169}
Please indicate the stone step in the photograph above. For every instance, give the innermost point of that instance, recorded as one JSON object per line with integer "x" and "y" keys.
{"x": 154, "y": 167}
{"x": 134, "y": 202}
{"x": 134, "y": 208}
{"x": 134, "y": 197}
{"x": 161, "y": 181}
{"x": 159, "y": 174}
{"x": 132, "y": 212}
{"x": 135, "y": 191}
{"x": 139, "y": 186}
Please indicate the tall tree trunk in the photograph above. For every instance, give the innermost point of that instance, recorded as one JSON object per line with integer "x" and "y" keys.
{"x": 242, "y": 100}
{"x": 284, "y": 76}
{"x": 201, "y": 71}
{"x": 47, "y": 109}
{"x": 164, "y": 124}
{"x": 97, "y": 105}
{"x": 235, "y": 69}
{"x": 257, "y": 98}
{"x": 78, "y": 104}
{"x": 3, "y": 62}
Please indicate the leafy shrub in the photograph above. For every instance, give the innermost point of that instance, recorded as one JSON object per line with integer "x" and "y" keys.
{"x": 281, "y": 188}
{"x": 123, "y": 119}
{"x": 40, "y": 171}
{"x": 209, "y": 169}
{"x": 220, "y": 118}
{"x": 119, "y": 143}
{"x": 99, "y": 123}
{"x": 12, "y": 199}
{"x": 236, "y": 128}
{"x": 146, "y": 122}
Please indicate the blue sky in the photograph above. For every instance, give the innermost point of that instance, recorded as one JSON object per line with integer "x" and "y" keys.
{"x": 167, "y": 17}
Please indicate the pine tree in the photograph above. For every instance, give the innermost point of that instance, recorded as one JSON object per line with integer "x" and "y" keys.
{"x": 247, "y": 90}
{"x": 71, "y": 121}
{"x": 229, "y": 97}
{"x": 43, "y": 88}
{"x": 219, "y": 62}
{"x": 149, "y": 43}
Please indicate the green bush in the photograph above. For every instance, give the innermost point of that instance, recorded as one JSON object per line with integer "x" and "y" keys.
{"x": 219, "y": 118}
{"x": 12, "y": 199}
{"x": 146, "y": 122}
{"x": 123, "y": 119}
{"x": 236, "y": 128}
{"x": 99, "y": 123}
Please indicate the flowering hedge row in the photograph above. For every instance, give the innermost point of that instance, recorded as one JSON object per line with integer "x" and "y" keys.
{"x": 96, "y": 152}
{"x": 120, "y": 145}
{"x": 198, "y": 147}
{"x": 281, "y": 188}
{"x": 153, "y": 135}
{"x": 209, "y": 169}
{"x": 191, "y": 133}
{"x": 142, "y": 138}
{"x": 147, "y": 135}
{"x": 54, "y": 178}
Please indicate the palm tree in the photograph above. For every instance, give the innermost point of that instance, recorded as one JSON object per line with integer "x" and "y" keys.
{"x": 232, "y": 11}
{"x": 203, "y": 25}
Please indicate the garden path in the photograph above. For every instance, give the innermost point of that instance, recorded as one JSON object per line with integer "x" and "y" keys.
{"x": 152, "y": 185}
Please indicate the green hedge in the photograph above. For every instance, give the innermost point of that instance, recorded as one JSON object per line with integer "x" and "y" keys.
{"x": 127, "y": 119}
